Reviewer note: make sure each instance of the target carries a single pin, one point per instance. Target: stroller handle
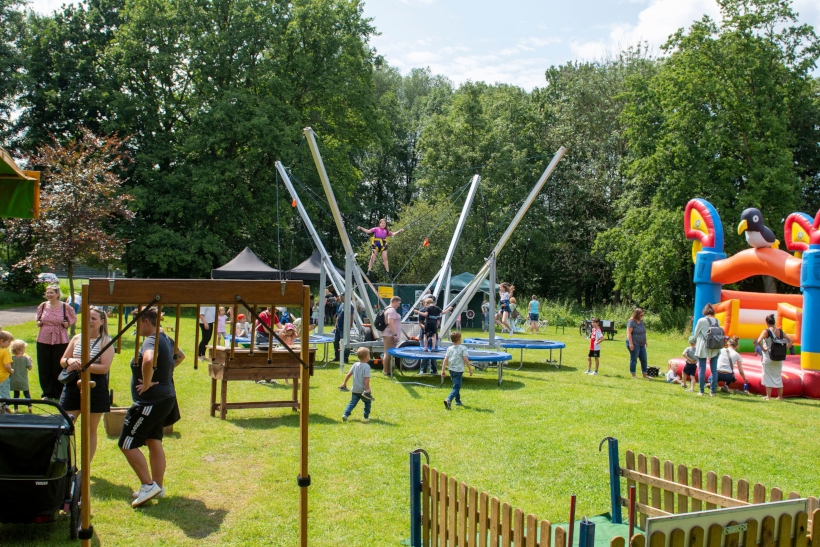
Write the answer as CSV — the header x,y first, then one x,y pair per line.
x,y
30,402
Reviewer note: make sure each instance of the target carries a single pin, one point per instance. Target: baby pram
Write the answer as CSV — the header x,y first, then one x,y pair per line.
x,y
38,472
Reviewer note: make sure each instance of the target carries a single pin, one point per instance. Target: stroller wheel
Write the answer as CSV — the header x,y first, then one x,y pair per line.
x,y
76,521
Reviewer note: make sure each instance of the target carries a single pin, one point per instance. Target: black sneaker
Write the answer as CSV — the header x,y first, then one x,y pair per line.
x,y
367,396
343,388
459,404
447,404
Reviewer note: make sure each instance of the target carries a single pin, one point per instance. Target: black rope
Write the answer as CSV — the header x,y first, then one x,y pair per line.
x,y
120,333
269,328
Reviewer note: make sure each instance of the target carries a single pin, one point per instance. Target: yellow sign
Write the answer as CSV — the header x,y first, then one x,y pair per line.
x,y
385,292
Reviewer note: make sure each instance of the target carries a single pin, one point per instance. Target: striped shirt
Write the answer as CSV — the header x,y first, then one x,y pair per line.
x,y
52,331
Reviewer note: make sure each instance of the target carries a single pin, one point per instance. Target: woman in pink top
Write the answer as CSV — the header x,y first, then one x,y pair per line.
x,y
378,242
53,317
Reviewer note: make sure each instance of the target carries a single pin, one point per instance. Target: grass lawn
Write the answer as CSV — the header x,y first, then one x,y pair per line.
x,y
532,442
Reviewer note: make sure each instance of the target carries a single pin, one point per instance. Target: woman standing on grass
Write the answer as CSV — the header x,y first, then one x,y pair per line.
x,y
100,402
701,329
53,317
636,342
772,370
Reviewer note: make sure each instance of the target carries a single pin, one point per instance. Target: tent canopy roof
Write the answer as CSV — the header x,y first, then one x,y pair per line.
x,y
458,282
310,269
245,265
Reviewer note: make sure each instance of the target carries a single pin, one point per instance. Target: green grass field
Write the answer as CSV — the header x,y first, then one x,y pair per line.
x,y
532,442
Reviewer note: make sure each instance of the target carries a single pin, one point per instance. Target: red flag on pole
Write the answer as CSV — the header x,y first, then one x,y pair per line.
x,y
426,243
293,203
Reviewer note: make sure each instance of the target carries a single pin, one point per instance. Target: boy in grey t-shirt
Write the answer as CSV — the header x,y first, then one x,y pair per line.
x,y
360,372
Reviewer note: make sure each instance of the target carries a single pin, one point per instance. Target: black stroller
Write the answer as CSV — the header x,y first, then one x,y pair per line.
x,y
38,471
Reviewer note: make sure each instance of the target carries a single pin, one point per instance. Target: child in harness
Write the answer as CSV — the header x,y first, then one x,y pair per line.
x,y
380,235
431,314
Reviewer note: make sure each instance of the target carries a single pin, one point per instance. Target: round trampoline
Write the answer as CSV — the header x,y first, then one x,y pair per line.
x,y
522,344
414,353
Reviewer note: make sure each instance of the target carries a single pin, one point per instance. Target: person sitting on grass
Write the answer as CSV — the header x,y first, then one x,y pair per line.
x,y
671,375
594,346
455,360
360,372
691,366
726,365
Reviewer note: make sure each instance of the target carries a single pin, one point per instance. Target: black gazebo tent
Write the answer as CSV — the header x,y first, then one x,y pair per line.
x,y
310,269
246,265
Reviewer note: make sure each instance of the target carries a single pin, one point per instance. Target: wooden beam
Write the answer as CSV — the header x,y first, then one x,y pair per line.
x,y
85,412
681,489
108,292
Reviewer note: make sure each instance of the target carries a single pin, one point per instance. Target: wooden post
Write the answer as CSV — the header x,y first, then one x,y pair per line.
x,y
156,338
85,412
119,321
233,338
137,339
176,332
270,334
213,332
253,329
196,338
304,413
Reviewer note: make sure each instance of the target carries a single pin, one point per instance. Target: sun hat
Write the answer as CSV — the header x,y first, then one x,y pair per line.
x,y
290,326
241,317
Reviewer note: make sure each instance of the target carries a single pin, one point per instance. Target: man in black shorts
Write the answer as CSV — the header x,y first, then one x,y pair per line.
x,y
155,407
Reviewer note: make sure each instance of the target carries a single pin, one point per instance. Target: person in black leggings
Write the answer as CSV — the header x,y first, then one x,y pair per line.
x,y
207,318
53,317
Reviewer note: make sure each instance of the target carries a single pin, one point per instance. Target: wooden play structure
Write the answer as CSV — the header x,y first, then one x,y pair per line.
x,y
447,513
143,294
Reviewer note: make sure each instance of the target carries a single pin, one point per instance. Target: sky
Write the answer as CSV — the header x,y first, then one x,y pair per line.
x,y
515,41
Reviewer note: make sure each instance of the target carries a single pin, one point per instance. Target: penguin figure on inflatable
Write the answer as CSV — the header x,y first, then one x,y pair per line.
x,y
757,234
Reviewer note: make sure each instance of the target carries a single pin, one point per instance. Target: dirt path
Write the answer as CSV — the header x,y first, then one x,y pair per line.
x,y
17,316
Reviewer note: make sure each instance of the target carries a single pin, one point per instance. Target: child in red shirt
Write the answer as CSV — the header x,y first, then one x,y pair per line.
x,y
594,346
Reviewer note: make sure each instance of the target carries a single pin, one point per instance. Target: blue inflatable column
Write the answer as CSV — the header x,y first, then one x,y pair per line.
x,y
706,291
810,283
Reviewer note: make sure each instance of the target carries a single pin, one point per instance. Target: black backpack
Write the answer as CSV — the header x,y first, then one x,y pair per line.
x,y
715,337
778,347
380,323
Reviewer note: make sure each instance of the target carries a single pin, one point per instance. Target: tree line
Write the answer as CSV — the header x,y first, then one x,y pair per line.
x,y
205,95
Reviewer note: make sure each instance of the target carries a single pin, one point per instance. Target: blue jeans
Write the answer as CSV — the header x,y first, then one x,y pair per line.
x,y
634,354
428,364
702,372
456,393
354,400
337,338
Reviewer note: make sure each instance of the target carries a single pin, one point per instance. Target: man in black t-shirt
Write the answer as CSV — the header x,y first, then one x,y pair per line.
x,y
155,407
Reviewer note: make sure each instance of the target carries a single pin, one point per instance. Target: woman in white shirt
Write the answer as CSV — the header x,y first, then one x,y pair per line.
x,y
701,328
726,365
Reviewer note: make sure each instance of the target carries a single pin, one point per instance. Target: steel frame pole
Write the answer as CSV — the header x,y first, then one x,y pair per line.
x,y
347,308
462,220
337,217
320,328
472,287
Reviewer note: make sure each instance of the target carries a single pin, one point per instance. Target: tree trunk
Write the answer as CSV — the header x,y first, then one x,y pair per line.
x,y
71,294
769,285
616,296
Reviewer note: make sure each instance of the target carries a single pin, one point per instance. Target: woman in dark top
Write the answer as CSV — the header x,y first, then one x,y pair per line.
x,y
70,399
636,342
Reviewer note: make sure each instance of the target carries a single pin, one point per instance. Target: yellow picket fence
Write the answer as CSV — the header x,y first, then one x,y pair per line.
x,y
666,489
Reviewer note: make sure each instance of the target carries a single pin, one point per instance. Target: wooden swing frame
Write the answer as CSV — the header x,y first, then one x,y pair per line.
x,y
144,293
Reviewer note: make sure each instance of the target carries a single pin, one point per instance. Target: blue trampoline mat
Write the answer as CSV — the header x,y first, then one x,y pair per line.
x,y
519,343
314,339
413,352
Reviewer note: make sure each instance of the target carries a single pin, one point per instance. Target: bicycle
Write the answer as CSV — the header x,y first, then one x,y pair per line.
x,y
585,329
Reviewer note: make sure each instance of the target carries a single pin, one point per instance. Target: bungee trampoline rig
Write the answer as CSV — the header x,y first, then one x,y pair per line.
x,y
355,282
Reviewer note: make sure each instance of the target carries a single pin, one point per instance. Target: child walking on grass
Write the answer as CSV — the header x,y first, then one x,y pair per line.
x,y
21,364
594,346
360,372
455,360
691,366
5,368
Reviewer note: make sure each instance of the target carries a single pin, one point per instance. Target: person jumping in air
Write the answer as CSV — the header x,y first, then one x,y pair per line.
x,y
378,242
505,291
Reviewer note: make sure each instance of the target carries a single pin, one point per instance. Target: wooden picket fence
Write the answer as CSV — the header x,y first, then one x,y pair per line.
x,y
456,515
679,491
791,532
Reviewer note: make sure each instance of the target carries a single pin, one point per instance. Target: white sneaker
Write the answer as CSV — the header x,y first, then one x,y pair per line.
x,y
587,372
147,492
161,494
595,373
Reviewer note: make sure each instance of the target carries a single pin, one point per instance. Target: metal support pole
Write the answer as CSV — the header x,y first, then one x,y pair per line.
x,y
415,499
447,276
423,293
304,412
492,318
347,308
586,533
614,479
571,523
320,329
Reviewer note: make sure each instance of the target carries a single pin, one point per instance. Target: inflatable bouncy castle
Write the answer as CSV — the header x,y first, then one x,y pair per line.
x,y
743,314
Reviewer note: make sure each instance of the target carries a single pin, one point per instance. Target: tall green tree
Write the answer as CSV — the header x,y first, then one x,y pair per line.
x,y
12,28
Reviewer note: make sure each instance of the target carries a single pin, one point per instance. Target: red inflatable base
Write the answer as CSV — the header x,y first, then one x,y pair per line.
x,y
796,381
